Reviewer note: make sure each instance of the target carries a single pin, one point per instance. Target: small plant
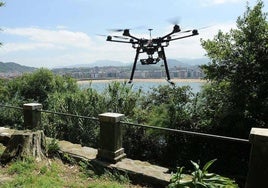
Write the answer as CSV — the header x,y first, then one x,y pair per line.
x,y
116,176
69,159
201,178
2,149
87,168
53,147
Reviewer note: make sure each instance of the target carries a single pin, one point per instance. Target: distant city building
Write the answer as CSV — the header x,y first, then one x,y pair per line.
x,y
110,72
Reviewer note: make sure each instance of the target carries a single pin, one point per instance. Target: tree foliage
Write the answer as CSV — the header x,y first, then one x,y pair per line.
x,y
37,86
239,63
77,130
120,98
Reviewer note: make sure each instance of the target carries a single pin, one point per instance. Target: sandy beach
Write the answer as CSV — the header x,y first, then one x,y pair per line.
x,y
175,80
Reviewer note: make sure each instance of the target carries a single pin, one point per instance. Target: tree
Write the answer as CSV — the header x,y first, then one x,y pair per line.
x,y
239,63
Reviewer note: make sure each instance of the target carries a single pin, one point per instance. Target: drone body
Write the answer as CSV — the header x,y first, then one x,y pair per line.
x,y
151,46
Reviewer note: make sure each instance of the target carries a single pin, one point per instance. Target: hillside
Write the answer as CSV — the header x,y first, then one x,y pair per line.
x,y
181,62
11,67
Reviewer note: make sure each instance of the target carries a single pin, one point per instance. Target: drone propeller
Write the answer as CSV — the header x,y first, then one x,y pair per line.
x,y
174,20
116,30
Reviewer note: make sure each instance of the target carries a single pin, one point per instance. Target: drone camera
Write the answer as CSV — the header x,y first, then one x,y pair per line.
x,y
149,61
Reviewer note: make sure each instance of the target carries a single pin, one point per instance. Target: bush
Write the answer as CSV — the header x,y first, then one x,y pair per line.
x,y
201,178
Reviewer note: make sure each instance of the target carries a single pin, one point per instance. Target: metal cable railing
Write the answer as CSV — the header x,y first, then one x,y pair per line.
x,y
70,115
9,106
219,137
226,138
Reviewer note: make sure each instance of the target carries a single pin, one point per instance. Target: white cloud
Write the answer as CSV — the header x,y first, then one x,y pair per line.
x,y
13,47
52,37
217,2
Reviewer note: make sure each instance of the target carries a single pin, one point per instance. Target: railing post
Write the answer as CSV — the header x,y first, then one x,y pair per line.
x,y
258,163
110,148
32,117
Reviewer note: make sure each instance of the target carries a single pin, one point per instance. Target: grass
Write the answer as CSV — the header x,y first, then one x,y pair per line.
x,y
54,173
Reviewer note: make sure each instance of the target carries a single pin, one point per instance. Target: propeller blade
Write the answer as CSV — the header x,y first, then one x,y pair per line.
x,y
174,20
121,30
101,35
205,27
116,30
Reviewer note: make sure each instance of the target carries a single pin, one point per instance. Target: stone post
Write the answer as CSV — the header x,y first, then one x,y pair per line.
x,y
32,117
110,145
258,163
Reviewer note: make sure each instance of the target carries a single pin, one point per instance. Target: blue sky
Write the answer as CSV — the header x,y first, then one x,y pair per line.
x,y
64,32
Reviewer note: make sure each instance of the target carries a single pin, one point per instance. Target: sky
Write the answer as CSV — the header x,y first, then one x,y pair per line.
x,y
66,32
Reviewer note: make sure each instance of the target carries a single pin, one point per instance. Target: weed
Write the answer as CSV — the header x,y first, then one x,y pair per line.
x,y
67,158
2,149
21,166
87,168
116,176
53,147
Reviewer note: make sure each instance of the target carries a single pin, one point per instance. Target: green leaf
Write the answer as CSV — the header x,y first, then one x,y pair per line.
x,y
196,166
208,164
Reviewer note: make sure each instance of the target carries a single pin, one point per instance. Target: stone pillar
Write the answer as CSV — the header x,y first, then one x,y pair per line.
x,y
258,163
32,117
110,145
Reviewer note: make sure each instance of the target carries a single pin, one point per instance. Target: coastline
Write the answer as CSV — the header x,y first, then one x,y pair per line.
x,y
157,80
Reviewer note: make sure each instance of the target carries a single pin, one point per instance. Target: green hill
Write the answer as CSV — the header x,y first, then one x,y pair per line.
x,y
10,67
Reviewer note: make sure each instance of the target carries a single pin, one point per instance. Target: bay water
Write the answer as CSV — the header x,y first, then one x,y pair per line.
x,y
145,85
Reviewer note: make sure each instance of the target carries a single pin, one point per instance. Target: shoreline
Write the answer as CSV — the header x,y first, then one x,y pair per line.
x,y
157,80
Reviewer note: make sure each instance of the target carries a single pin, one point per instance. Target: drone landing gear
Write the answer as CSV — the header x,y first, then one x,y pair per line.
x,y
166,65
172,83
134,65
162,56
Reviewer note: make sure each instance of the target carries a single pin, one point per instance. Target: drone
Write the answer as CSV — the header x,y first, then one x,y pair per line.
x,y
151,46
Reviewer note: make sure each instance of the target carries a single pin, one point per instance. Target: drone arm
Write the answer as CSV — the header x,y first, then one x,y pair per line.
x,y
133,37
168,35
111,40
183,37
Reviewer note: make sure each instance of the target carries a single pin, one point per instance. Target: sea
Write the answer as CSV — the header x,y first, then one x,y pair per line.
x,y
145,85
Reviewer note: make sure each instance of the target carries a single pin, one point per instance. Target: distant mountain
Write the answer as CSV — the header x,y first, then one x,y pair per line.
x,y
11,67
183,62
104,63
195,61
99,63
